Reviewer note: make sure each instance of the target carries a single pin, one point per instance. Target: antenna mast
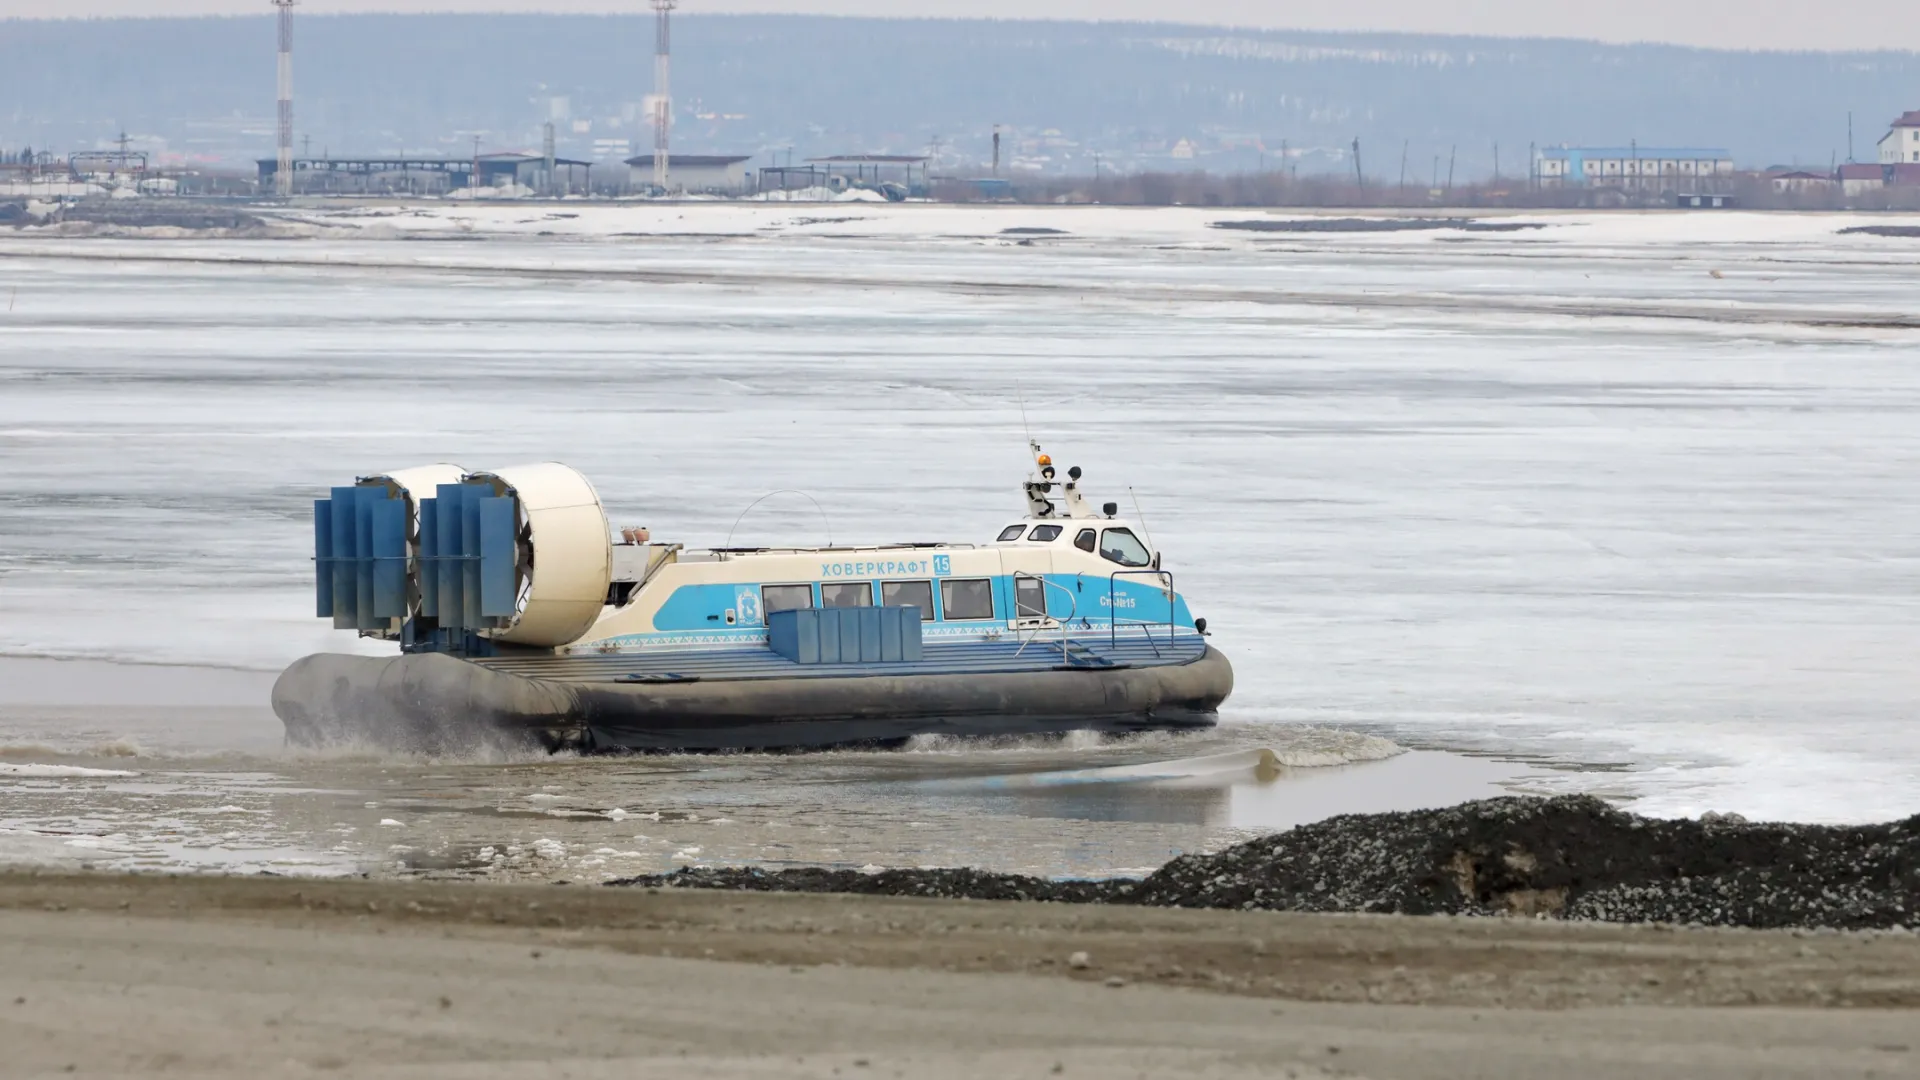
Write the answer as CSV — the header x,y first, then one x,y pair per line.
x,y
662,88
283,172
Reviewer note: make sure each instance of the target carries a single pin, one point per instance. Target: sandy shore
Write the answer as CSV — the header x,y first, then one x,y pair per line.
x,y
237,977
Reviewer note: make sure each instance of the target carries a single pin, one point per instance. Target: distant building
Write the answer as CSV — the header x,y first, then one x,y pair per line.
x,y
880,172
1651,168
530,171
719,174
1861,178
1864,177
1794,183
1901,145
1697,201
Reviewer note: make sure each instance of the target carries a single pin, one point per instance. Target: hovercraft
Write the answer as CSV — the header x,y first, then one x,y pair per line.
x,y
521,618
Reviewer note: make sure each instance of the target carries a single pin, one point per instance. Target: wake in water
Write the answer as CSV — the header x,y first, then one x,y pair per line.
x,y
1086,805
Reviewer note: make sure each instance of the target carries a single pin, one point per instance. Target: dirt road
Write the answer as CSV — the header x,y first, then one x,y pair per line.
x,y
249,977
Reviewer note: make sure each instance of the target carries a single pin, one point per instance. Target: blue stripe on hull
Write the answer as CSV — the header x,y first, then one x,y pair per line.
x,y
759,662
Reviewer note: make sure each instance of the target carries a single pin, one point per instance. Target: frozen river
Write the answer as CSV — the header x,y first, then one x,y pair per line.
x,y
1628,493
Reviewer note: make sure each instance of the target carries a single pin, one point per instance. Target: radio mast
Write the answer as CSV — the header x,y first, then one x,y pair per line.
x,y
283,173
662,88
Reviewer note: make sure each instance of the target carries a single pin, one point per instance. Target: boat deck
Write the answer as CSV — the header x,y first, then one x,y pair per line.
x,y
703,663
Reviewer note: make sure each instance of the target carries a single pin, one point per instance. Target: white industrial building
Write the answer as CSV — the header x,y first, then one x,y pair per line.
x,y
1901,146
1651,168
717,174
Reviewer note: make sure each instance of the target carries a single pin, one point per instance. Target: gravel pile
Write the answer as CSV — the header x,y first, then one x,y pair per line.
x,y
1573,858
1373,225
1882,230
945,884
157,212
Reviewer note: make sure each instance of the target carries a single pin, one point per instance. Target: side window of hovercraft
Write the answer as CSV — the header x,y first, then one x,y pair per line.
x,y
1121,546
909,594
1029,597
1084,541
846,594
966,599
785,597
1011,532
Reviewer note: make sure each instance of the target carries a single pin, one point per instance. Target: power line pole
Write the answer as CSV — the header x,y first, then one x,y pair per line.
x,y
1359,177
283,165
546,154
662,89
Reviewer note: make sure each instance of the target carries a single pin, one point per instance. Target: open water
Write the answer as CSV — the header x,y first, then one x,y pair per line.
x,y
1627,501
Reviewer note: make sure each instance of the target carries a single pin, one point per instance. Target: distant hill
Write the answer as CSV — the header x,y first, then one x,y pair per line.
x,y
1142,95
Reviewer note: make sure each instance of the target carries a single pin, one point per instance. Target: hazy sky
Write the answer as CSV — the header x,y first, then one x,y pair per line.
x,y
1766,24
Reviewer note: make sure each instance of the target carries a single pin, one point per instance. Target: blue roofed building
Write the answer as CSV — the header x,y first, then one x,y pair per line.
x,y
1649,168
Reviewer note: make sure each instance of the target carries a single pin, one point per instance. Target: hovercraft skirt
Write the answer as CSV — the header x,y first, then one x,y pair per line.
x,y
439,703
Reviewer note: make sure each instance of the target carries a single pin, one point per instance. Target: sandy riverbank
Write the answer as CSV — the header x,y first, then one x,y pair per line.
x,y
260,976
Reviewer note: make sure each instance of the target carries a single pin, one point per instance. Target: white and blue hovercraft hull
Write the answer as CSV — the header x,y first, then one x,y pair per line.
x,y
520,623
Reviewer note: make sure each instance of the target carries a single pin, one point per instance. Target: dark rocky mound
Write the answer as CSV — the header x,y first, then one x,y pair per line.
x,y
1374,225
157,212
946,884
1572,858
1883,230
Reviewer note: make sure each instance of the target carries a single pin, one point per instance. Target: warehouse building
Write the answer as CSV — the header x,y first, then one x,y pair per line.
x,y
1638,168
710,174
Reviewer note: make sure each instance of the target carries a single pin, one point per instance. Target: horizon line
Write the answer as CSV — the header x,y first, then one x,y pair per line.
x,y
1054,20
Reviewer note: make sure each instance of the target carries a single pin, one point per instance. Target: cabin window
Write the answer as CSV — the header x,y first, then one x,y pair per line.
x,y
846,594
918,594
1121,546
1011,532
1085,540
1043,534
1029,598
967,599
785,597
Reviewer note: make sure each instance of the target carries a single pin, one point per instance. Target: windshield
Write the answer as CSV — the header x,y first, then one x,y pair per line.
x,y
1121,546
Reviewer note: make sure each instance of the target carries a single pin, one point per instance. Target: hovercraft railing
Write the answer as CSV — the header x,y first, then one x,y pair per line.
x,y
1073,610
1146,626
